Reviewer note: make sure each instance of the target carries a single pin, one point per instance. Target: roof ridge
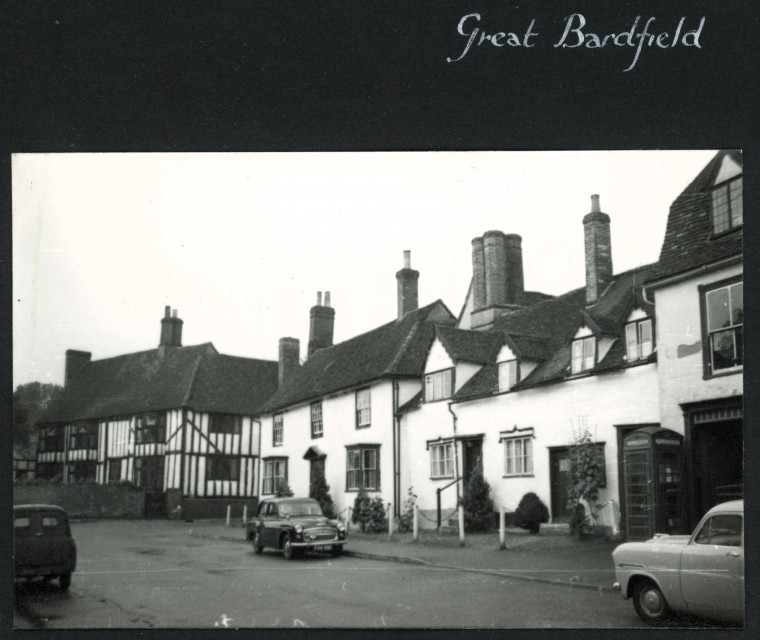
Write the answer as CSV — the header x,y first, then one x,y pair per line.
x,y
193,378
412,332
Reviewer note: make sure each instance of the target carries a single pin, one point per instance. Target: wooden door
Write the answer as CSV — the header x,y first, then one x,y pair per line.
x,y
561,481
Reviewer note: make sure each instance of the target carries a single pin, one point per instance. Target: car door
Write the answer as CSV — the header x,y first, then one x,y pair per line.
x,y
712,567
268,533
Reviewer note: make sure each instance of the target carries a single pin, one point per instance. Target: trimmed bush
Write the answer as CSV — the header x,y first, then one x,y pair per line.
x,y
477,503
531,513
369,513
320,491
284,490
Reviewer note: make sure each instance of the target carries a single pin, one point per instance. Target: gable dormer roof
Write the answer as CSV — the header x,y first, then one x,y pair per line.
x,y
396,349
462,345
689,240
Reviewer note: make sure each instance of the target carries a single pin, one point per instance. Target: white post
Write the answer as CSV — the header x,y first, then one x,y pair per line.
x,y
245,514
415,524
461,525
229,508
390,520
502,531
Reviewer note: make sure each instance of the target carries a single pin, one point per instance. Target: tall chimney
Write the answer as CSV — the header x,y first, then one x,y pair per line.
x,y
75,361
406,280
290,349
322,325
171,329
478,274
596,231
515,278
495,255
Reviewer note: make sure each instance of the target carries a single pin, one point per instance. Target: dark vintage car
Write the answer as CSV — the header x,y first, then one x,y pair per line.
x,y
700,574
42,543
294,525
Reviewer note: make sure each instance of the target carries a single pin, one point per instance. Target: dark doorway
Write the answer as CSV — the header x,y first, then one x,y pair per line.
x,y
149,474
473,458
561,481
317,470
718,462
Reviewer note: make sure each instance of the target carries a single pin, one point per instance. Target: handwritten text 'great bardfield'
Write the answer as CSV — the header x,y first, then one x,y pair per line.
x,y
576,34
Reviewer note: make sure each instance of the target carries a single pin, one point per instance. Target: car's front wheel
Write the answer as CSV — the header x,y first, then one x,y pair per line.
x,y
650,603
288,551
258,548
65,580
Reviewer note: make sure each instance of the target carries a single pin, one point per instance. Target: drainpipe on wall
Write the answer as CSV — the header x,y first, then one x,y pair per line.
x,y
456,457
396,451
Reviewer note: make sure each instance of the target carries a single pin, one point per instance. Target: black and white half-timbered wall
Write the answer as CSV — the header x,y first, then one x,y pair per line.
x,y
175,421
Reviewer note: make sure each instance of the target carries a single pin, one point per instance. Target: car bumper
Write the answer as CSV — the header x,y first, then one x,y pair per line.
x,y
43,570
317,543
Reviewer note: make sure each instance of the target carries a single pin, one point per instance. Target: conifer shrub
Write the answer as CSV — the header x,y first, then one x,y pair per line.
x,y
531,513
369,513
284,490
477,503
320,491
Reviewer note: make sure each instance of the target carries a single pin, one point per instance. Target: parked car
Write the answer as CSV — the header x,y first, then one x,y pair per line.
x,y
42,543
294,525
701,574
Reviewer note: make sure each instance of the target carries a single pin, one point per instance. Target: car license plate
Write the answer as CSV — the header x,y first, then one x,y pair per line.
x,y
323,547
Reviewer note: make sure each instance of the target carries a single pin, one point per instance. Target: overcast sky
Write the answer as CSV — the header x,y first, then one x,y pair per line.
x,y
240,244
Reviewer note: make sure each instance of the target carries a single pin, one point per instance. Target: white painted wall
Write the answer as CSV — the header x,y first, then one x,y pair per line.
x,y
679,349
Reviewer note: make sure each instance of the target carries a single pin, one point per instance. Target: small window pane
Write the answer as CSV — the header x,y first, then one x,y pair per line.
x,y
718,314
20,523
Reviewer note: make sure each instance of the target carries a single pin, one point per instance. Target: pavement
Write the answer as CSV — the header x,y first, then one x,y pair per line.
x,y
555,559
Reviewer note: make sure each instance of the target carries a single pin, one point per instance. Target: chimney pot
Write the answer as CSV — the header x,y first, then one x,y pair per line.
x,y
319,298
406,286
174,313
598,245
595,208
167,311
327,298
407,259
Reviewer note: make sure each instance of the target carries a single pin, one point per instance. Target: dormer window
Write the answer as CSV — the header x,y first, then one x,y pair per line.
x,y
638,339
727,206
507,375
584,354
439,385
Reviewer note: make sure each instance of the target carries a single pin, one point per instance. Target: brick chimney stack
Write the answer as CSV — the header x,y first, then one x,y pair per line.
x,y
596,231
75,361
171,329
322,325
497,270
478,273
290,350
406,280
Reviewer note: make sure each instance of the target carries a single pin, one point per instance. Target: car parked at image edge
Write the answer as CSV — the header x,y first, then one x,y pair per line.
x,y
700,574
294,525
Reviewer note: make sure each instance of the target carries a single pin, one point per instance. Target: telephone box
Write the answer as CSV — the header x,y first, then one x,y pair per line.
x,y
653,460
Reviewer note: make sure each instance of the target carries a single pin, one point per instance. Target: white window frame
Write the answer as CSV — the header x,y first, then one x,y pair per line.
x,y
275,473
363,468
584,354
507,375
439,385
735,292
317,423
442,460
363,408
518,456
637,347
278,430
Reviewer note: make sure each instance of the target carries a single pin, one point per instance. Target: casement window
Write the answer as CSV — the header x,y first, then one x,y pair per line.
x,y
223,468
363,408
84,436
83,470
275,474
584,354
639,339
150,427
723,314
363,468
148,472
52,439
507,375
278,429
727,206
49,470
518,456
442,460
439,385
225,423
316,420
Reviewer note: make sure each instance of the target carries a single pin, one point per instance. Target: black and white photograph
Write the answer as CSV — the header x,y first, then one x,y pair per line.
x,y
340,389
405,318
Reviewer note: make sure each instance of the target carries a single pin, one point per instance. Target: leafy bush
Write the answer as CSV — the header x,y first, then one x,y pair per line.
x,y
477,503
320,491
531,513
369,513
406,519
588,475
284,490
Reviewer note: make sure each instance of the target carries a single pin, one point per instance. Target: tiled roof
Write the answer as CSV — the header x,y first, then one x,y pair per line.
x,y
398,348
556,321
196,377
478,347
689,241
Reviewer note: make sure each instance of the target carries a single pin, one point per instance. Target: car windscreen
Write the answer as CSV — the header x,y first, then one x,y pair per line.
x,y
305,508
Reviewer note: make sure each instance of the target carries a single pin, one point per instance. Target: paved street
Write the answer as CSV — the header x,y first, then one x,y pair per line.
x,y
155,574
